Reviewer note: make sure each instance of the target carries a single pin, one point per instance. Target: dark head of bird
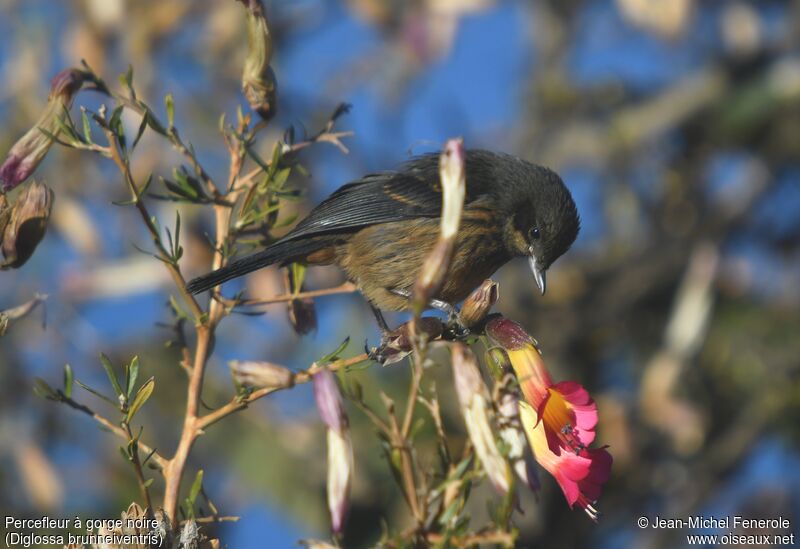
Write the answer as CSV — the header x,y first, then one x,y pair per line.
x,y
540,217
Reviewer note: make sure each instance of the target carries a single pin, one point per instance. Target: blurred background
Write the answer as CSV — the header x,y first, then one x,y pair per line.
x,y
675,123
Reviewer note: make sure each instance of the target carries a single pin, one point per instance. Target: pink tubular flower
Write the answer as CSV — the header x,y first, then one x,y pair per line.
x,y
559,419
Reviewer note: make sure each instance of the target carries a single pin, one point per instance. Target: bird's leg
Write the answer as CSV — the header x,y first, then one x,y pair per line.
x,y
379,318
456,330
378,354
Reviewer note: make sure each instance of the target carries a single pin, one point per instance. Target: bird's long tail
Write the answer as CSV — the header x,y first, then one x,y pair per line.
x,y
282,252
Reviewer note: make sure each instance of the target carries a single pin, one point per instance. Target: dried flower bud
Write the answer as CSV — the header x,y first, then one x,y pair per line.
x,y
397,343
340,447
260,374
303,315
26,225
30,150
473,399
452,177
258,79
508,334
478,304
510,426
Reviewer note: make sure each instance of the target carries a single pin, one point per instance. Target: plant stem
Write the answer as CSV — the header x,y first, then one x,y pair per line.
x,y
116,429
300,377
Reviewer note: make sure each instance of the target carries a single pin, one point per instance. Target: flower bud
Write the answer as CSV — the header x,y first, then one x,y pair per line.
x,y
258,79
340,472
478,304
329,400
473,399
26,225
260,374
340,446
30,150
453,182
303,315
508,334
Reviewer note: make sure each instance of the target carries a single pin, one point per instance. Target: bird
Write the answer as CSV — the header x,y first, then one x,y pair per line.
x,y
380,229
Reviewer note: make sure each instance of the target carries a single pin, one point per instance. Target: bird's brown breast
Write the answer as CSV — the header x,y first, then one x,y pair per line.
x,y
388,256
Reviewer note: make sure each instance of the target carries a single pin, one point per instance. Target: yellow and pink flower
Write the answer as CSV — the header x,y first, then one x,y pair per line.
x,y
559,419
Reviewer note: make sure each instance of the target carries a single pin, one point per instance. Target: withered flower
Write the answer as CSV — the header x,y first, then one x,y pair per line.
x,y
260,374
452,176
26,224
30,150
303,315
258,79
474,401
478,304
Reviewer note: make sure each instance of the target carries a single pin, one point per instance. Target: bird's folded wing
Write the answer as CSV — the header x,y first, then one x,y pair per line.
x,y
378,198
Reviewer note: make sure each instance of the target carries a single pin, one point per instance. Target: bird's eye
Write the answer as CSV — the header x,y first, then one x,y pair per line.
x,y
533,233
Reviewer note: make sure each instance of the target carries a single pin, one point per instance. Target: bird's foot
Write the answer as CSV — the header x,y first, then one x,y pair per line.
x,y
455,330
397,344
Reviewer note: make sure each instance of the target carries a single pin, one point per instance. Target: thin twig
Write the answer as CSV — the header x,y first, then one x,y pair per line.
x,y
172,267
137,467
116,429
303,376
347,287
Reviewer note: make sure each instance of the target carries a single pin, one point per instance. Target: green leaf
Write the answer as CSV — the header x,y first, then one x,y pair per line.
x,y
148,482
256,158
451,511
148,456
87,128
286,222
298,276
177,230
131,373
140,131
197,485
111,375
55,139
154,123
169,103
43,390
66,127
141,397
68,379
176,307
336,352
95,393
126,79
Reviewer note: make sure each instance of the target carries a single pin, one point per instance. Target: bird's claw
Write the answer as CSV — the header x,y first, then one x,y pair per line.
x,y
455,330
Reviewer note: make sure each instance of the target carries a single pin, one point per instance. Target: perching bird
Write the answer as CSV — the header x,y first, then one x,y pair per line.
x,y
380,229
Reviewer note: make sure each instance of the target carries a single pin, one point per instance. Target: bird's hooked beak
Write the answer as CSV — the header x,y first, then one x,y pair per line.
x,y
538,274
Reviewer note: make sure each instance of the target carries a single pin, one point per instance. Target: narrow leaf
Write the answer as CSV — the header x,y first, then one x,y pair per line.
x,y
111,375
141,397
132,374
169,103
197,485
95,393
68,379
